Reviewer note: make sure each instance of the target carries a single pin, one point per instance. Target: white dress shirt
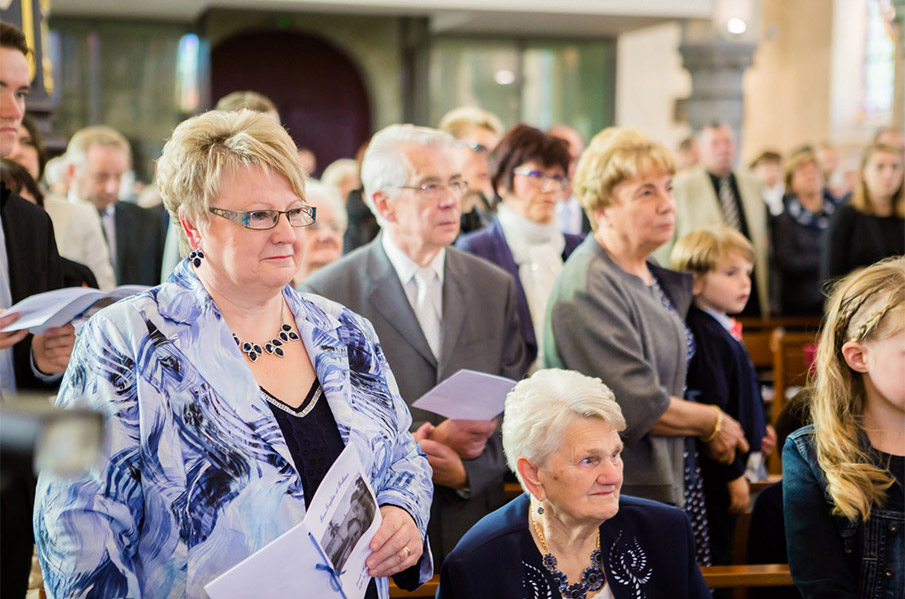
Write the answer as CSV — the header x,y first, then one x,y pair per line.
x,y
406,268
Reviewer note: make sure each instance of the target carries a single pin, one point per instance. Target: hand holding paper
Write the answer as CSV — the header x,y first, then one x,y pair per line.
x,y
446,464
11,338
466,437
397,544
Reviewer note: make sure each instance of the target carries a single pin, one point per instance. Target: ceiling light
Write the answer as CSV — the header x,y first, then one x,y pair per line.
x,y
736,26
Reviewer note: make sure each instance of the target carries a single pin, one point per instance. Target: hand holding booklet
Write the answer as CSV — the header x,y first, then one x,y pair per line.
x,y
325,555
56,308
468,395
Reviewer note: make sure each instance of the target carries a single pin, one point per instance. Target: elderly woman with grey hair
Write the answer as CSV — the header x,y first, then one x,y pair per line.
x,y
571,534
324,237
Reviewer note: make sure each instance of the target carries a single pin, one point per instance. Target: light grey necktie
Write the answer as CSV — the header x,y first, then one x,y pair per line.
x,y
727,203
426,309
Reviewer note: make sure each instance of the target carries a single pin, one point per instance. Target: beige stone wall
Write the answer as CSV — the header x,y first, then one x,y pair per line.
x,y
649,80
788,88
371,42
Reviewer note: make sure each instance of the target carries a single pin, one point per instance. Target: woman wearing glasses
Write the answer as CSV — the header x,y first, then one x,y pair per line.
x,y
227,394
528,173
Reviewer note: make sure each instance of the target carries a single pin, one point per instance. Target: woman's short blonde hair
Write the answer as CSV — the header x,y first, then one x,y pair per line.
x,y
796,161
701,251
205,148
613,156
539,409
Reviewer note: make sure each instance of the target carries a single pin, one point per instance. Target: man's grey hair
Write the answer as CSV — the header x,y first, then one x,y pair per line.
x,y
98,135
539,409
385,163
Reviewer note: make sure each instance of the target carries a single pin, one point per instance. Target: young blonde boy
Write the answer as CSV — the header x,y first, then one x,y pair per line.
x,y
720,372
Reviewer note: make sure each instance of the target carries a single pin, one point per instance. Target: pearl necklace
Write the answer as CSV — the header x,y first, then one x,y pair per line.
x,y
273,347
592,578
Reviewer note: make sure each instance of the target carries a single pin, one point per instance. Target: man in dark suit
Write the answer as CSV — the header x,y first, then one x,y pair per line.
x,y
436,310
98,157
29,264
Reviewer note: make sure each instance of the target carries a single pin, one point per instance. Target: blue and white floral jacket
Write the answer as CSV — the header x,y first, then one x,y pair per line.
x,y
195,474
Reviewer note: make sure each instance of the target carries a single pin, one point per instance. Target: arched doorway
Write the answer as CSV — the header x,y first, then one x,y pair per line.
x,y
317,89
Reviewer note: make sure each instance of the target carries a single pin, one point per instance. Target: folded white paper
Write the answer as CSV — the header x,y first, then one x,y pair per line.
x,y
55,308
467,395
325,555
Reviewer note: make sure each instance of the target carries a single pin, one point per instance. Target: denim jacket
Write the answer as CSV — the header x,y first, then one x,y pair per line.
x,y
830,556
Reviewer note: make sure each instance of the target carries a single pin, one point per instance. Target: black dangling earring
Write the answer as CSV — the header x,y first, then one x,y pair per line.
x,y
196,257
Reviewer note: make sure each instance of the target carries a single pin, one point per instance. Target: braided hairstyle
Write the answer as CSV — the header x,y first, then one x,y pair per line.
x,y
868,304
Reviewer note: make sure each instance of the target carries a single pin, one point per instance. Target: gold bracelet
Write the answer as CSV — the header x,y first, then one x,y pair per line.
x,y
716,427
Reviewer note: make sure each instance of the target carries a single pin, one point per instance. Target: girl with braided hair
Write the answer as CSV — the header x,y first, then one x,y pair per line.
x,y
843,476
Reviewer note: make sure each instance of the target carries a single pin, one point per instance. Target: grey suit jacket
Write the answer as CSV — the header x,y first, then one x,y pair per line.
x,y
480,331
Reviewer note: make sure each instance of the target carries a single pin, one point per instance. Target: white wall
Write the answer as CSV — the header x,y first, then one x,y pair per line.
x,y
649,79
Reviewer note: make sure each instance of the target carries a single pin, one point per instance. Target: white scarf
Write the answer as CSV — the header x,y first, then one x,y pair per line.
x,y
537,250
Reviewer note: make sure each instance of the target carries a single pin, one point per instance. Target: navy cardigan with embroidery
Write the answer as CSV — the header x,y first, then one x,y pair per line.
x,y
647,549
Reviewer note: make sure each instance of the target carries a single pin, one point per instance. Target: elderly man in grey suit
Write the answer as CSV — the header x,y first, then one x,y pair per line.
x,y
436,310
712,193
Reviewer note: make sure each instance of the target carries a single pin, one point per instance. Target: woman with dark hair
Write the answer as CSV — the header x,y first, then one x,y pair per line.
x,y
528,173
76,226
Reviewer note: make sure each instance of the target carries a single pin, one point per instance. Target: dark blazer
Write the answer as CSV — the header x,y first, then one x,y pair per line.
x,y
855,239
480,331
140,237
34,266
647,550
490,243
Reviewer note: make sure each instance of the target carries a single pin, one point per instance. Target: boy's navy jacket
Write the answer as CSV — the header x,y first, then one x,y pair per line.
x,y
721,373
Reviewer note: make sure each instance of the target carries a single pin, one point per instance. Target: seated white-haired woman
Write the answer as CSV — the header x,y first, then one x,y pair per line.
x,y
571,535
227,394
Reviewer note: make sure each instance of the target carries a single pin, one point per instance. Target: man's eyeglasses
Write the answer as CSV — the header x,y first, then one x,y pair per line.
x,y
473,146
539,179
261,220
433,191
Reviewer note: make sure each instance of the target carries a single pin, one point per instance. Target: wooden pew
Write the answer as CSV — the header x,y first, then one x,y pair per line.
x,y
717,577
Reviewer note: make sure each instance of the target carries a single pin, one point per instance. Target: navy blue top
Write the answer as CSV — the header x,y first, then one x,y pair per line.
x,y
313,441
721,373
311,435
647,548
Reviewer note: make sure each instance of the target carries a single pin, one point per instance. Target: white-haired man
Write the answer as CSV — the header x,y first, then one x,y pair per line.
x,y
97,158
436,310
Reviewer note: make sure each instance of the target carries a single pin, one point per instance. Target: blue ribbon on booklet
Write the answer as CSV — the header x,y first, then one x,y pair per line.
x,y
335,583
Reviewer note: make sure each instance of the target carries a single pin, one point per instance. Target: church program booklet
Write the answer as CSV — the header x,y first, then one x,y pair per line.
x,y
324,555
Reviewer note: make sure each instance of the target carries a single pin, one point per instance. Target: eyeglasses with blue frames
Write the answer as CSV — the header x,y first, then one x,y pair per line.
x,y
261,220
538,179
433,190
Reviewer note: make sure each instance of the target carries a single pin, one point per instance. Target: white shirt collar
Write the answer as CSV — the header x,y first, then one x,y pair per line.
x,y
723,319
404,266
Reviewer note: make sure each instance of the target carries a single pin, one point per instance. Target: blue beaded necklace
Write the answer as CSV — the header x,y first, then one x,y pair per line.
x,y
592,578
273,347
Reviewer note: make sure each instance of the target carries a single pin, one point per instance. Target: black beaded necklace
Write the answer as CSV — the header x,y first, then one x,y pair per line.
x,y
592,578
273,347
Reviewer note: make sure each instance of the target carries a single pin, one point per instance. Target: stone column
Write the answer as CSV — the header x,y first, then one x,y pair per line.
x,y
31,17
716,65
